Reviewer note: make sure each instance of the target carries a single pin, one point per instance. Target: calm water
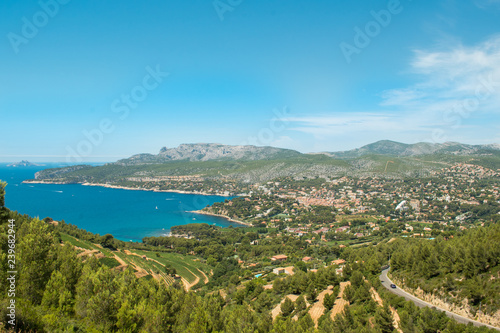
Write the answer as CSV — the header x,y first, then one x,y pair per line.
x,y
127,215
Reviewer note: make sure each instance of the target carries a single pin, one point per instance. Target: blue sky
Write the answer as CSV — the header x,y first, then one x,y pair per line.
x,y
98,80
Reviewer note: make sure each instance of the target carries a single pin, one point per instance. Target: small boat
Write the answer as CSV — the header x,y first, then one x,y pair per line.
x,y
156,207
194,218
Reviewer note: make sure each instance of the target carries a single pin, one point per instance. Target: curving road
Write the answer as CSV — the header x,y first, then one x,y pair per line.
x,y
386,282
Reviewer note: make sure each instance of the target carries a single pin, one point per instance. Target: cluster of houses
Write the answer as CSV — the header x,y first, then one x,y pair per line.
x,y
357,195
302,230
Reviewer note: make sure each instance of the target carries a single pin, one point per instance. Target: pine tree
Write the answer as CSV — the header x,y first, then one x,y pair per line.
x,y
57,296
300,303
328,302
36,259
311,293
3,210
383,318
287,307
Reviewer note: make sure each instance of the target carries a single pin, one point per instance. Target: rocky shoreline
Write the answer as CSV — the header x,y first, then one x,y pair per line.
x,y
121,187
223,216
43,182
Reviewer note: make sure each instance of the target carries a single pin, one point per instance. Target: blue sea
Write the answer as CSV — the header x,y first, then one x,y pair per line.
x,y
127,215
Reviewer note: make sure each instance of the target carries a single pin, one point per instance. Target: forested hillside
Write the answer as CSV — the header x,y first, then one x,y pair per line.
x,y
466,267
58,291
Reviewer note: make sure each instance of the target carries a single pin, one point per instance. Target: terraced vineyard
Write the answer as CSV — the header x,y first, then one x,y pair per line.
x,y
145,263
183,264
75,242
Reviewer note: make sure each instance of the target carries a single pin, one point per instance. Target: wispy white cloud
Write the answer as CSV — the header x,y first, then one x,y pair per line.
x,y
486,4
451,86
452,76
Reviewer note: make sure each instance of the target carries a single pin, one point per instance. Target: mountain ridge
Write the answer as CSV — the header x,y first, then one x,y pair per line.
x,y
251,164
394,148
211,152
219,152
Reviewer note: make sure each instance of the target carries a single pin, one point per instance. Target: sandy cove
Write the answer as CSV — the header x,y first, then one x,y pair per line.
x,y
223,216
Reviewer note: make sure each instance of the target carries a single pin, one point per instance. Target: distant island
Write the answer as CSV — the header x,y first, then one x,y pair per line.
x,y
24,163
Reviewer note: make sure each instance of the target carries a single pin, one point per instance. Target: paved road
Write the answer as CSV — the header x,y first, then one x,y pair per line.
x,y
386,282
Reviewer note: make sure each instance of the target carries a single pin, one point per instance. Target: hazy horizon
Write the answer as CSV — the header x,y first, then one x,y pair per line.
x,y
37,159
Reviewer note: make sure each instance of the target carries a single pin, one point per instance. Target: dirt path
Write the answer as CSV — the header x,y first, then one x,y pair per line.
x,y
120,260
205,277
376,297
340,302
140,272
190,285
396,318
277,310
86,252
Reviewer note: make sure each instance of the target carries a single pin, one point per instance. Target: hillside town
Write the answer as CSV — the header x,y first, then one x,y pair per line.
x,y
458,197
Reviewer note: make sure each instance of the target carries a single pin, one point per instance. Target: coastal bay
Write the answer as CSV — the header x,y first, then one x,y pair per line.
x,y
128,214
